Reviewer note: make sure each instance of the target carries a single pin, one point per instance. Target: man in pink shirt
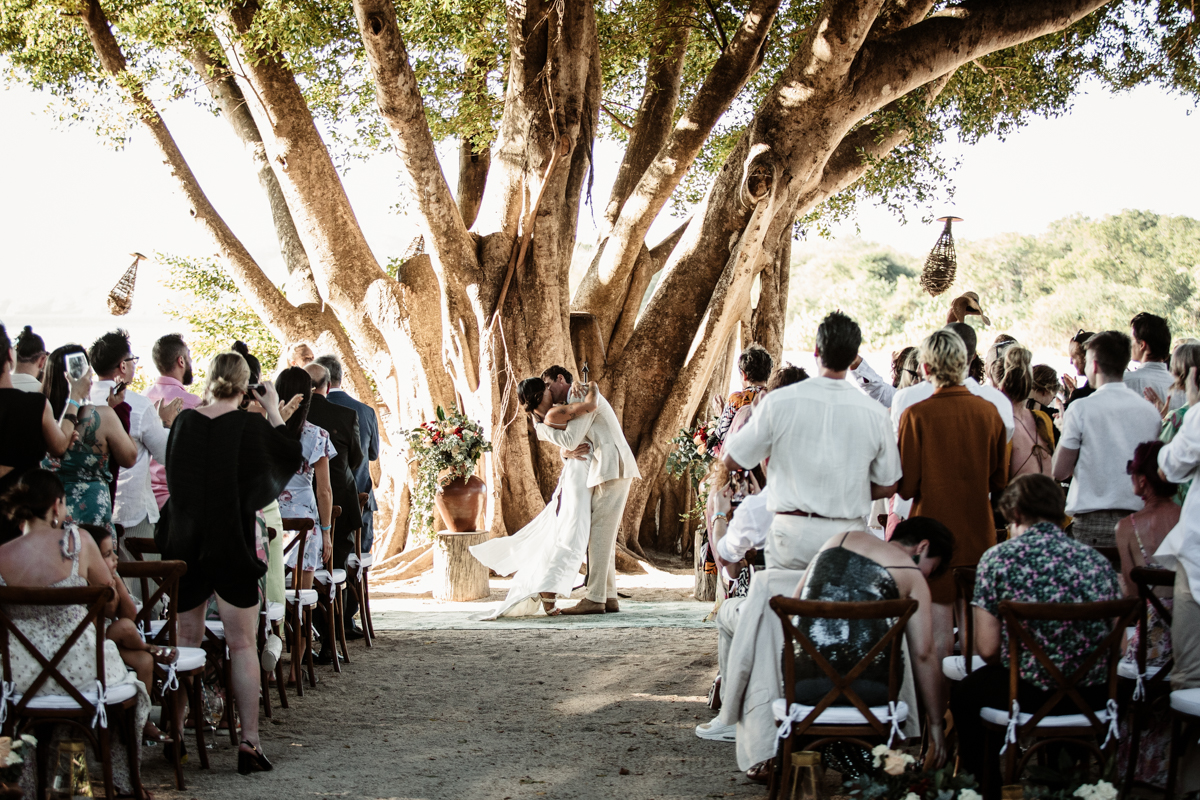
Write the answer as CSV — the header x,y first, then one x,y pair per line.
x,y
173,361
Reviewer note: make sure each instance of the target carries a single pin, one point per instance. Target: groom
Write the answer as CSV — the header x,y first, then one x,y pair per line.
x,y
610,476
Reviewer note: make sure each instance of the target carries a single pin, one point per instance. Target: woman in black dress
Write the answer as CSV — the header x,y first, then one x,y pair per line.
x,y
29,429
223,465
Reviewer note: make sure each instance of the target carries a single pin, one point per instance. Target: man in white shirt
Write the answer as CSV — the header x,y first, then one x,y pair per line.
x,y
1099,435
871,382
1150,340
112,359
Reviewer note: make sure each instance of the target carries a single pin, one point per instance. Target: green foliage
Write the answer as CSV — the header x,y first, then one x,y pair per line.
x,y
1081,273
215,313
444,450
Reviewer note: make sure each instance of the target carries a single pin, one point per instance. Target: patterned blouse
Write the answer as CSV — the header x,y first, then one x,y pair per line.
x,y
1044,565
735,403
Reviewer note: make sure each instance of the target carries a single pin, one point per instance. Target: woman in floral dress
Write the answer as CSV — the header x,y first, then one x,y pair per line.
x,y
84,469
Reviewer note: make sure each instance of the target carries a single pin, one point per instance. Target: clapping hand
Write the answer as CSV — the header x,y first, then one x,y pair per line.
x,y
287,409
167,412
1152,396
1069,385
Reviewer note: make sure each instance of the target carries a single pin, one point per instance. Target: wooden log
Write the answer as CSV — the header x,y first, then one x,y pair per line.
x,y
458,575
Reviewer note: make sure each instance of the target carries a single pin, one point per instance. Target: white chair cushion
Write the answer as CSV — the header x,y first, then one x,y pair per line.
x,y
1127,669
1187,701
308,597
955,667
849,715
190,658
998,717
275,611
322,576
118,693
215,627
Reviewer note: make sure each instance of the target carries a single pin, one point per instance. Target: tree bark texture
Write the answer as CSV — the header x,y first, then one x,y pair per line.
x,y
458,575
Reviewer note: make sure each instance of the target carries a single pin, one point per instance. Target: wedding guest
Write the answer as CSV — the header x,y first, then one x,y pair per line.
x,y
135,507
1038,564
1044,391
830,448
368,442
31,361
51,553
84,468
1150,340
1099,434
1033,433
874,386
222,466
1071,390
1184,357
29,428
754,366
173,360
300,355
953,453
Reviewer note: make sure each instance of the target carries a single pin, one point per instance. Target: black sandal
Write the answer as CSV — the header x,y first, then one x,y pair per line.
x,y
253,761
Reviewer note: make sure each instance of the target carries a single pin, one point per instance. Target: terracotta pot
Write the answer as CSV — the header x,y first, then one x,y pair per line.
x,y
460,503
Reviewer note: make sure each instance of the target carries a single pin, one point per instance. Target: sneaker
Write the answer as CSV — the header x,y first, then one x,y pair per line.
x,y
716,732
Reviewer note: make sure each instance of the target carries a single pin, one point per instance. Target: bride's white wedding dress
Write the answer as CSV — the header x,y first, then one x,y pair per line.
x,y
546,554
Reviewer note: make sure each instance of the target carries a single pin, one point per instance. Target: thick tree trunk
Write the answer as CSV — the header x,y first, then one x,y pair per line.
x,y
770,314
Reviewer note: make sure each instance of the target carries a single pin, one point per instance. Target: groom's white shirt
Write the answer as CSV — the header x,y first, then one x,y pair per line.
x,y
612,459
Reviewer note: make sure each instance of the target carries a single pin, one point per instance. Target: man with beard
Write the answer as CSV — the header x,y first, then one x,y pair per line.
x,y
173,361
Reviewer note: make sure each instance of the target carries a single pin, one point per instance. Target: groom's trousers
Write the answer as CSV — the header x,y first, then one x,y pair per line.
x,y
608,506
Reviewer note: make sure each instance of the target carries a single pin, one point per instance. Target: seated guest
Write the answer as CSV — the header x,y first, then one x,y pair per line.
x,y
954,454
858,567
85,468
754,365
1150,340
1138,536
29,428
1033,431
53,554
1099,434
1038,564
31,361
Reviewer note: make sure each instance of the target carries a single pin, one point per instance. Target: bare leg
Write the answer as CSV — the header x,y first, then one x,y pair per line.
x,y
241,637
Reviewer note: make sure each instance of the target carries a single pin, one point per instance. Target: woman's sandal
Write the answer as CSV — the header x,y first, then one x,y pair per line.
x,y
761,772
548,605
252,761
157,738
164,655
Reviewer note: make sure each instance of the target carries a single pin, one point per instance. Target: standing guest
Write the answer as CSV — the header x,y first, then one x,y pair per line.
x,y
368,442
300,355
830,447
1038,564
1033,434
1072,391
1150,340
754,365
1045,388
134,507
1173,408
874,386
953,451
173,360
31,361
1099,435
222,466
84,467
342,426
29,428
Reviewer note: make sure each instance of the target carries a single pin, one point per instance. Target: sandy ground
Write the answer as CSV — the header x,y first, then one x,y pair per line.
x,y
467,714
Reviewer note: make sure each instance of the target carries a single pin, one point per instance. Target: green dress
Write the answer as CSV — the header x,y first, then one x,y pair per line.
x,y
1170,427
85,475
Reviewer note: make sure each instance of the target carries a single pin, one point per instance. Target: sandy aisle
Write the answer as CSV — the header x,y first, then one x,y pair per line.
x,y
492,715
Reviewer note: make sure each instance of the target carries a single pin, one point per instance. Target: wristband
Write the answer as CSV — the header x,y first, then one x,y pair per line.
x,y
72,402
325,527
720,515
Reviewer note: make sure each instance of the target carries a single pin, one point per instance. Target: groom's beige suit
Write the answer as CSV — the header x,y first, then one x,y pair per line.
x,y
611,473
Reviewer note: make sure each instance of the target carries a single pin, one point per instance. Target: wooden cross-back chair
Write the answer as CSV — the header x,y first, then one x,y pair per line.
x,y
817,725
269,619
358,567
300,602
187,673
330,582
1042,726
88,711
1149,687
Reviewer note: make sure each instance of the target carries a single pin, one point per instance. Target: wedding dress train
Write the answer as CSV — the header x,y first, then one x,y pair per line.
x,y
546,553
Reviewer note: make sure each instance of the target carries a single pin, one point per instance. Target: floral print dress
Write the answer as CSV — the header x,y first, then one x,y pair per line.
x,y
298,499
85,474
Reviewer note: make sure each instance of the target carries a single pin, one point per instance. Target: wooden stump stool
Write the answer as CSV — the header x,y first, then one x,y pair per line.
x,y
458,575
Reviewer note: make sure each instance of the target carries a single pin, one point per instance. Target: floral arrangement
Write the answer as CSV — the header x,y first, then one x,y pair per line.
x,y
12,762
444,450
1070,780
900,778
691,456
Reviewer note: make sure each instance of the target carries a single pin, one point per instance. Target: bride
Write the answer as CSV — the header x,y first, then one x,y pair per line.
x,y
546,553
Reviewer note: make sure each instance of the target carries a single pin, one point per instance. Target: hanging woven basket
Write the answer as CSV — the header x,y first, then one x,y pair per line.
x,y
942,263
120,299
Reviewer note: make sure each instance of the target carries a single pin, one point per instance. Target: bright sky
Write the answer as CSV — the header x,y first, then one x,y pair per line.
x,y
73,208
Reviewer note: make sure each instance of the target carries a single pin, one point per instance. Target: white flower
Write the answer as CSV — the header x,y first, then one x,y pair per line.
x,y
912,796
969,794
879,751
1102,790
13,759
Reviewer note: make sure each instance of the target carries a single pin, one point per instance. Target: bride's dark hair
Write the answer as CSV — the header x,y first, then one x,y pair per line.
x,y
531,391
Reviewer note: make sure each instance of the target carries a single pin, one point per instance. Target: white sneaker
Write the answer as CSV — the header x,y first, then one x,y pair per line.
x,y
716,732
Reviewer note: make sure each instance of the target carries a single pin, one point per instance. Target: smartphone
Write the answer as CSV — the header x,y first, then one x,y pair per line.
x,y
119,387
77,364
259,389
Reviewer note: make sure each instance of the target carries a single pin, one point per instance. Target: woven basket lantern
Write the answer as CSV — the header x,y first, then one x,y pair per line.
x,y
942,263
120,299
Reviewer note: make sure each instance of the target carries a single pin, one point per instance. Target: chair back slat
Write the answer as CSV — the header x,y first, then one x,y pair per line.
x,y
166,574
301,526
964,591
139,546
1147,579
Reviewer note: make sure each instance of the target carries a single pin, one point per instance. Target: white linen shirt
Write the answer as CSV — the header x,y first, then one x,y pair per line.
x,y
26,383
872,385
911,395
135,499
1155,375
747,530
827,443
1179,461
1105,427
